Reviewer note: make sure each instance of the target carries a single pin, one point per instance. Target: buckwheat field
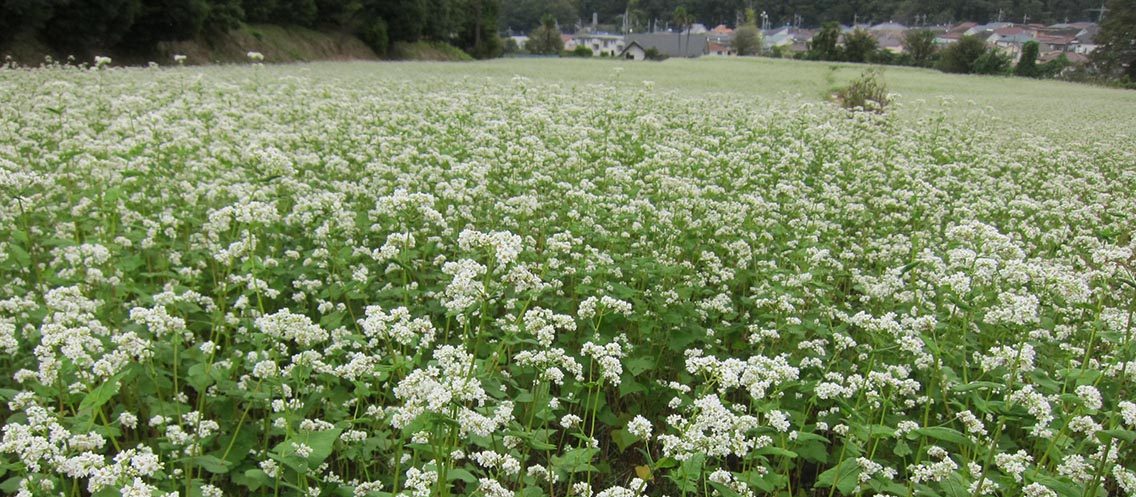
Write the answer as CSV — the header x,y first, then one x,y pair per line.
x,y
473,280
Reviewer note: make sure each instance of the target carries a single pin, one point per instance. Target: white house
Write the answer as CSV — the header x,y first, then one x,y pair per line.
x,y
633,51
600,43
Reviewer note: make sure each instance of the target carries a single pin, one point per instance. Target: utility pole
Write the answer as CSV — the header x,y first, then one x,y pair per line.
x,y
1100,12
1025,19
999,15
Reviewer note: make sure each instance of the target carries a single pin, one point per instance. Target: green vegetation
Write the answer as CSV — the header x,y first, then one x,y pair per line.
x,y
546,39
868,92
1027,63
135,28
747,38
1117,39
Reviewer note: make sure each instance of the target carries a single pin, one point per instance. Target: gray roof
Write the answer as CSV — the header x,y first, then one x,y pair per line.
x,y
672,44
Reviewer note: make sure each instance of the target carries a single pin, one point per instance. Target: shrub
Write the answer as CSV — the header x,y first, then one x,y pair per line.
x,y
1027,64
654,54
993,61
959,57
868,92
580,51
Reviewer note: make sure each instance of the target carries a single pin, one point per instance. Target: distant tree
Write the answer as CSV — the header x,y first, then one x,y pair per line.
x,y
545,39
167,20
683,20
342,14
90,24
993,61
1027,64
373,32
960,56
405,19
859,46
298,12
823,45
258,10
747,39
920,44
1053,68
1115,55
16,15
479,31
223,15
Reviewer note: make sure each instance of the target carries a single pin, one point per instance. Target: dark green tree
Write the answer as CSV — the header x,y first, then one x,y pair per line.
x,y
338,14
747,39
16,15
373,32
258,10
1115,55
81,25
920,45
223,16
167,20
682,20
298,12
823,45
1027,64
993,61
960,56
545,40
405,19
479,33
859,46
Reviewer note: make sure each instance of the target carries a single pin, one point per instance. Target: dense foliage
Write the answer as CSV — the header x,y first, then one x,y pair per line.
x,y
82,26
1117,39
359,282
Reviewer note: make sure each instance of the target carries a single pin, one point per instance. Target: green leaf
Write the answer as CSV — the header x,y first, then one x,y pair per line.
x,y
100,395
902,449
844,476
940,433
639,365
777,451
576,460
461,474
198,377
812,451
623,439
20,255
11,485
1126,435
212,464
253,479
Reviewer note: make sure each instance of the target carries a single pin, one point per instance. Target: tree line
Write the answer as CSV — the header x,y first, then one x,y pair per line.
x,y
137,25
642,15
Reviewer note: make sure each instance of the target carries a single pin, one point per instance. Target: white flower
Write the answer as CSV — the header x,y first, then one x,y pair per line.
x,y
640,428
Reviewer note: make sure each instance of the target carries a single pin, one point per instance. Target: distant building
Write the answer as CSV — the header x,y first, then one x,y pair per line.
x,y
633,51
600,43
672,44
